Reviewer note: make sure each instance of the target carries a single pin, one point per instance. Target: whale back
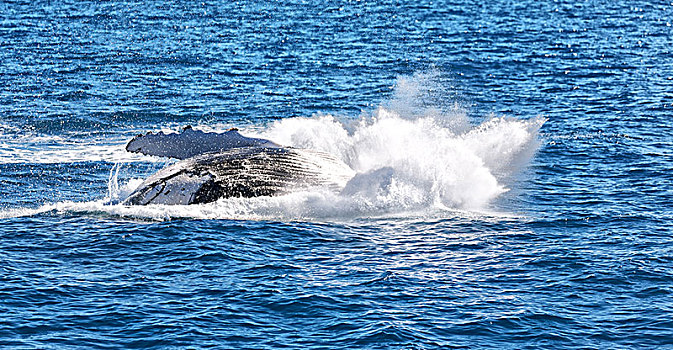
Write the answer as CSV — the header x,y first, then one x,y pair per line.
x,y
190,143
241,172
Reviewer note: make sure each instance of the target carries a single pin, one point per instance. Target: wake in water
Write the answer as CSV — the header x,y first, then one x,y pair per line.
x,y
408,156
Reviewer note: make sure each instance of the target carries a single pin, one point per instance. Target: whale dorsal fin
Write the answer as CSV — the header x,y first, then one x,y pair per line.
x,y
190,143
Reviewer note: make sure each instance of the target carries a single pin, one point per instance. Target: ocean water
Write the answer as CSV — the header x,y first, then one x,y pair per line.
x,y
513,184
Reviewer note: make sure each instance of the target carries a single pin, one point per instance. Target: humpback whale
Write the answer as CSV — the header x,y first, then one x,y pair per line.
x,y
213,165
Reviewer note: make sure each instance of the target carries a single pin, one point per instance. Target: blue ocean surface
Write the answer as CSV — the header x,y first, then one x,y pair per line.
x,y
513,187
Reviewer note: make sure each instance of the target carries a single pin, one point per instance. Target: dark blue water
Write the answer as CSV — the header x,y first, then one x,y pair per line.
x,y
475,226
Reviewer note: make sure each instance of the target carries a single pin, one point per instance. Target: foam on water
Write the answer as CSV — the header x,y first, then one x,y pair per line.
x,y
408,156
31,148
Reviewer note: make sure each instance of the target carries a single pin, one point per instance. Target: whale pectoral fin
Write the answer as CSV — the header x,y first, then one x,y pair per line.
x,y
159,144
191,142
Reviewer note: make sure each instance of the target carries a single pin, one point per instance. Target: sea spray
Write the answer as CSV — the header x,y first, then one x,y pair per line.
x,y
418,151
418,163
113,185
117,191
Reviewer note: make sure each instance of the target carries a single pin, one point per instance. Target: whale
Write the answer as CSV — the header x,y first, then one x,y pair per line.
x,y
212,166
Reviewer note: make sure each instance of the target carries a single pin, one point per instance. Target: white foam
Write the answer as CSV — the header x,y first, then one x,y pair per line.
x,y
49,149
419,162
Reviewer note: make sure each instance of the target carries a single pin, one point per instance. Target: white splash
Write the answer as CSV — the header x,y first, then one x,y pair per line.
x,y
418,163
